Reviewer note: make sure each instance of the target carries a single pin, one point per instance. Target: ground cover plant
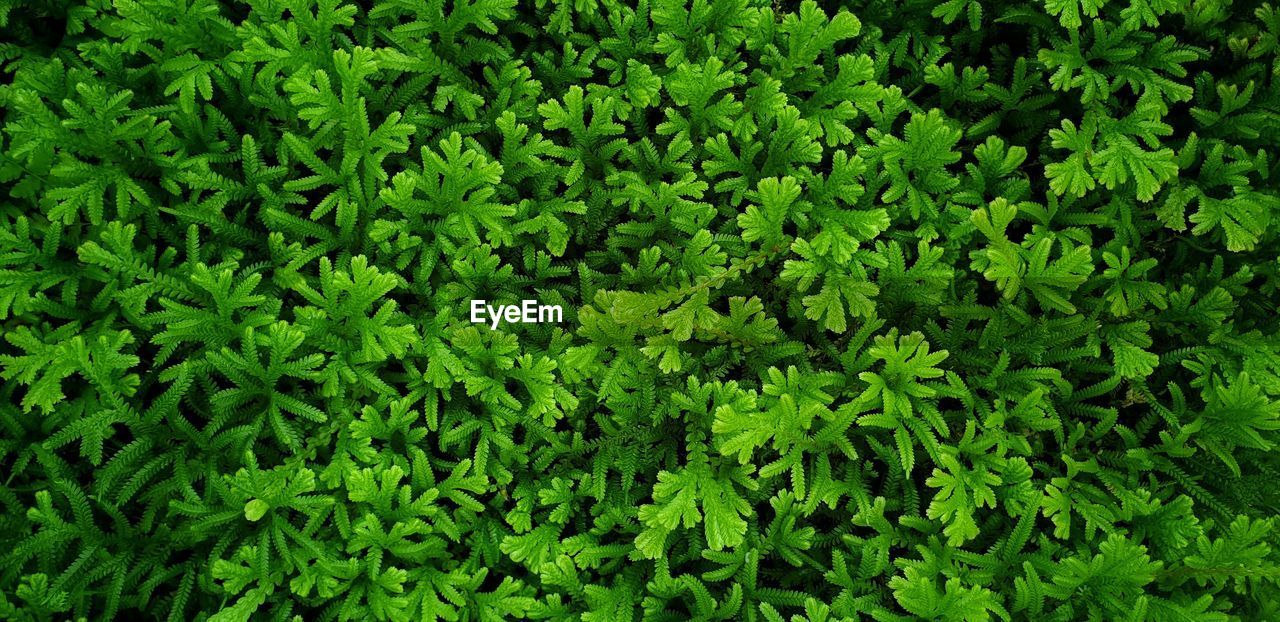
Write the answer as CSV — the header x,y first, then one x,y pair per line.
x,y
887,311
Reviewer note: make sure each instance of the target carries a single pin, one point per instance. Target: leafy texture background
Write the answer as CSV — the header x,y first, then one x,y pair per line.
x,y
874,310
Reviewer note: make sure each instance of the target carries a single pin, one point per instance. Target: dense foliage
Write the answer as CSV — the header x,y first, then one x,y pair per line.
x,y
959,310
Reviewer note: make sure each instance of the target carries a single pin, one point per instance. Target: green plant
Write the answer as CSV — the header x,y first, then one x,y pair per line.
x,y
954,311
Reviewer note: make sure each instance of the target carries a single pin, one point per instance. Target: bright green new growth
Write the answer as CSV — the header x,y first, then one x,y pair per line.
x,y
951,311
